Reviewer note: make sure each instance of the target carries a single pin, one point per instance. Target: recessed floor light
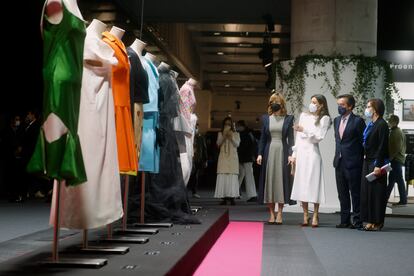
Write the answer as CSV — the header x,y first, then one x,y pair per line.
x,y
220,53
217,33
225,72
227,85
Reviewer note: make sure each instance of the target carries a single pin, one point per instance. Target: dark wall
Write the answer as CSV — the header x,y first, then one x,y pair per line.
x,y
395,25
23,58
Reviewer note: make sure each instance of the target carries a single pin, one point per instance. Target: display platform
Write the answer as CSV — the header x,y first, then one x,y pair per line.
x,y
173,251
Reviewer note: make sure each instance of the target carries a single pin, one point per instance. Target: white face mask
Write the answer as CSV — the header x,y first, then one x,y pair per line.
x,y
196,130
368,113
312,108
17,123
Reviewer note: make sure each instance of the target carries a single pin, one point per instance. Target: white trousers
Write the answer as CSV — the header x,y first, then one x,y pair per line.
x,y
246,172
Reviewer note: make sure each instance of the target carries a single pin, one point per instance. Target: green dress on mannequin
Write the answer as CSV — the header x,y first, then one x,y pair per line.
x,y
58,153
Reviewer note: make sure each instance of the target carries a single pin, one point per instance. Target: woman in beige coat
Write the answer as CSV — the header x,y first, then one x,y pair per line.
x,y
227,183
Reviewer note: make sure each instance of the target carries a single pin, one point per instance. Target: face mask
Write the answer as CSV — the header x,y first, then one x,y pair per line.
x,y
196,130
312,108
17,123
341,110
368,113
275,107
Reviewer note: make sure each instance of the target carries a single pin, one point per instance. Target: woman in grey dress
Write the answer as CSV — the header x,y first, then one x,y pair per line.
x,y
276,141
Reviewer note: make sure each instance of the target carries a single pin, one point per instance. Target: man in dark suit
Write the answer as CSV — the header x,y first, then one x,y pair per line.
x,y
349,129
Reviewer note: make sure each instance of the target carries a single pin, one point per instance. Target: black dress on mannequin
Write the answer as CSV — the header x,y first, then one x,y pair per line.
x,y
167,195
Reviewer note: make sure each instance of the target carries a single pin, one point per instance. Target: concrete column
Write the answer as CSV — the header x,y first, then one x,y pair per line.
x,y
334,26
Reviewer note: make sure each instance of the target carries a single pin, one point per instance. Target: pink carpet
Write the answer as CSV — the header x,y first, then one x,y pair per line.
x,y
238,251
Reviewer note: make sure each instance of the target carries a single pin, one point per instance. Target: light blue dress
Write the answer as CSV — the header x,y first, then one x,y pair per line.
x,y
149,160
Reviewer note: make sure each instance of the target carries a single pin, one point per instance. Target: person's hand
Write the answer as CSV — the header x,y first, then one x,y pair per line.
x,y
291,160
259,160
298,128
377,171
229,134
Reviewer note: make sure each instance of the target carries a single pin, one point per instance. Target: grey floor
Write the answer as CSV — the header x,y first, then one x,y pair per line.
x,y
288,249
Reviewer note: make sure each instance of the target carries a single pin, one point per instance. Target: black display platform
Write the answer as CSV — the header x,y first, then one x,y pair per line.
x,y
173,251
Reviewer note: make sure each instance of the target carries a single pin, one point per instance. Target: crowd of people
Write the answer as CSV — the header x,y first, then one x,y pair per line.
x,y
17,143
292,167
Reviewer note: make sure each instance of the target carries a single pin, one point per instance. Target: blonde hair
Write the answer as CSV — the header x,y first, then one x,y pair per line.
x,y
277,97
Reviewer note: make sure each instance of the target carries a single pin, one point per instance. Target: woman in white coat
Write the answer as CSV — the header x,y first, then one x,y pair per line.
x,y
227,183
308,184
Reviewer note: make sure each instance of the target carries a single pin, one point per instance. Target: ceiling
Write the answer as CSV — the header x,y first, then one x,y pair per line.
x,y
225,37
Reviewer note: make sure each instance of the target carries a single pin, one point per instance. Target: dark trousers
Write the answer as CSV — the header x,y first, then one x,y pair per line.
x,y
373,196
348,184
396,176
194,178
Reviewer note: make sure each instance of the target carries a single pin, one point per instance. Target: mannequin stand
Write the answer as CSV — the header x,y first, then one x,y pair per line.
x,y
125,230
86,248
142,210
55,261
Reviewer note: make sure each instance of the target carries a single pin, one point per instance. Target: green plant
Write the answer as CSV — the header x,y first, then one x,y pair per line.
x,y
367,70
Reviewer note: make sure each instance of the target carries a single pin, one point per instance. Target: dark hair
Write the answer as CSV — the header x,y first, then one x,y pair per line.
x,y
378,106
241,123
35,112
224,121
394,119
324,110
349,98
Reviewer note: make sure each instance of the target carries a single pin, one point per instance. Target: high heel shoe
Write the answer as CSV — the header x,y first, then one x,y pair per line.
x,y
279,220
306,221
315,218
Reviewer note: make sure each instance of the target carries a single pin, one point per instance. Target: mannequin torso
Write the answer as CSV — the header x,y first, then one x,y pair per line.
x,y
54,10
138,46
163,66
96,28
118,32
192,82
175,74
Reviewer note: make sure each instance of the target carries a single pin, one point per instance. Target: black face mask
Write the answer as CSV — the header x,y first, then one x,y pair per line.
x,y
275,107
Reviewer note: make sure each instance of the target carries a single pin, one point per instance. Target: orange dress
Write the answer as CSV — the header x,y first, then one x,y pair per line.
x,y
127,156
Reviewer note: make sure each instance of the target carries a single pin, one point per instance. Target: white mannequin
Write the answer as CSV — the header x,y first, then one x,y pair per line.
x,y
118,32
54,10
151,57
138,46
163,65
96,27
192,82
175,74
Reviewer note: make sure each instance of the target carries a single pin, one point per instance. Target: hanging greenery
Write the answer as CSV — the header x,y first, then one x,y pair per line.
x,y
367,69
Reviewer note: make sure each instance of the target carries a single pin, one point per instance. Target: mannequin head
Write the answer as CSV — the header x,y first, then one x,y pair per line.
x,y
151,57
97,27
138,46
118,32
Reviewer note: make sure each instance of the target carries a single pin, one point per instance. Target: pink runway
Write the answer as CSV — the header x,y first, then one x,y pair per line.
x,y
238,251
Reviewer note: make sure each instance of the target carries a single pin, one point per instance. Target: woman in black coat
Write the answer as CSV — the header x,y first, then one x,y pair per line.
x,y
276,141
375,141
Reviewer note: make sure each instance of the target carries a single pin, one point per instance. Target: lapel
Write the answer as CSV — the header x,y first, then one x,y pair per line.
x,y
348,125
337,121
267,124
284,127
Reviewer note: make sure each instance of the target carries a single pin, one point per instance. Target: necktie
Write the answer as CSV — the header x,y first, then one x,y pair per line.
x,y
342,127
